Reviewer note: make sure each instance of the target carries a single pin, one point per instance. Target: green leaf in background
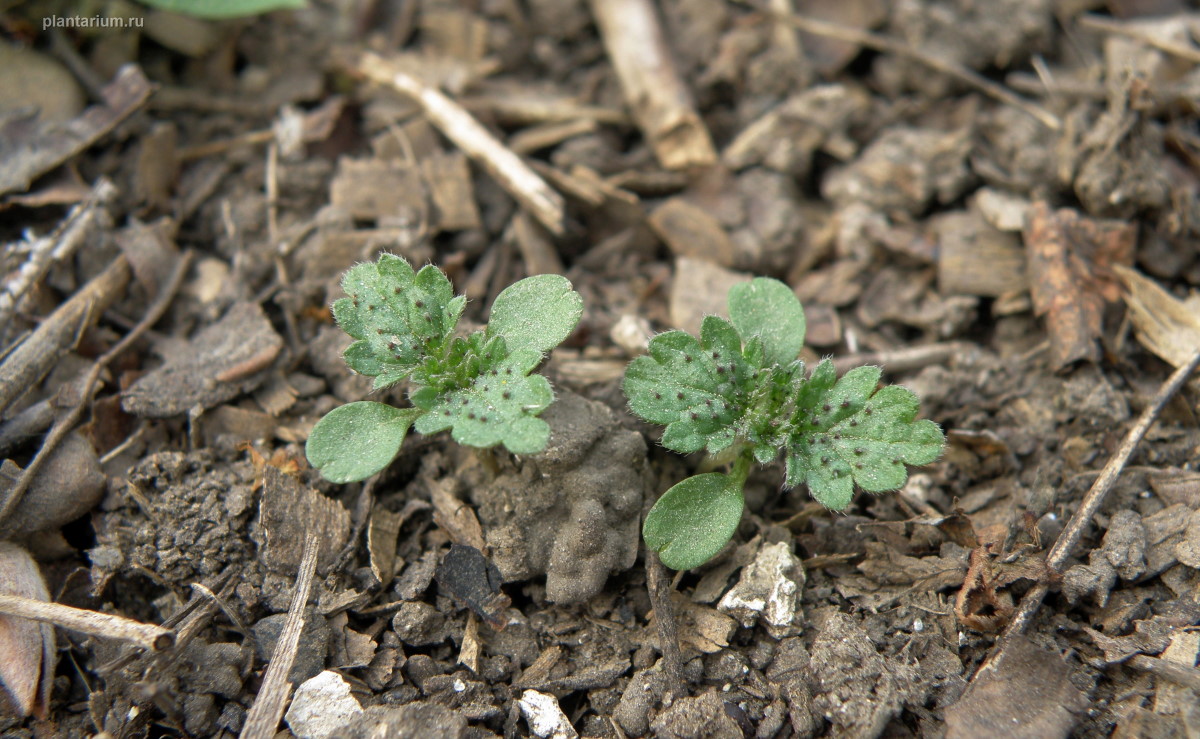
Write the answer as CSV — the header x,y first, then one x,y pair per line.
x,y
769,309
220,9
356,440
853,434
536,313
692,521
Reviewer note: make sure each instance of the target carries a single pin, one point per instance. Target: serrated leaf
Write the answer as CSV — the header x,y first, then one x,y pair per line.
x,y
498,407
767,308
356,440
848,433
219,9
398,317
693,520
537,313
693,387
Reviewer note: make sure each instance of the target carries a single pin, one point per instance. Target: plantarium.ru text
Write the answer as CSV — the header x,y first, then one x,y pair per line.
x,y
740,394
479,386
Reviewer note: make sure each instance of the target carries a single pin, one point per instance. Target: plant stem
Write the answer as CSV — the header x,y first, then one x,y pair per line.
x,y
741,467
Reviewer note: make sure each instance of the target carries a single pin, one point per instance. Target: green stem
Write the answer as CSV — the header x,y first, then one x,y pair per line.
x,y
741,467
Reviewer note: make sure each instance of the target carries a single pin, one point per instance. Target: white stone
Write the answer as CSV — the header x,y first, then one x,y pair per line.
x,y
769,588
545,718
322,704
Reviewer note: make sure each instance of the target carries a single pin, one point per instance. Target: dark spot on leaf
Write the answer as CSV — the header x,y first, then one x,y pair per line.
x,y
464,401
506,395
845,403
428,318
495,372
483,419
471,416
867,410
860,450
370,307
837,437
687,357
708,402
355,302
720,370
895,461
715,417
658,396
824,460
485,388
507,371
826,407
811,440
445,413
853,422
816,421
837,473
379,331
397,290
679,396
417,303
695,416
716,355
858,465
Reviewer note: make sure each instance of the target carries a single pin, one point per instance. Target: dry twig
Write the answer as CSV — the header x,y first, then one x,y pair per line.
x,y
661,103
55,247
1108,25
525,185
659,586
67,422
106,625
268,704
1070,535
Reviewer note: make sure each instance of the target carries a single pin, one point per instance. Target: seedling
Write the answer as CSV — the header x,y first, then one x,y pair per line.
x,y
740,394
478,386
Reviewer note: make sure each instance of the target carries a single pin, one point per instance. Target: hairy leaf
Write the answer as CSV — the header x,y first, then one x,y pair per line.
x,y
499,406
848,433
399,318
356,440
695,388
768,309
694,519
537,313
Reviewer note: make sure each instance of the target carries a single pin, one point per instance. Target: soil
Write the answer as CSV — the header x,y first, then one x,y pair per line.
x,y
995,201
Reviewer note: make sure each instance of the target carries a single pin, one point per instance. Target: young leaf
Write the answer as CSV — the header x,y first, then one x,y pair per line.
x,y
693,387
537,313
855,434
694,519
499,406
398,317
356,440
769,309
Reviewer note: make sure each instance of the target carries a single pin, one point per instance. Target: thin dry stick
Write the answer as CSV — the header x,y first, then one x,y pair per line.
x,y
661,103
906,359
55,246
268,704
468,134
887,45
1070,535
660,589
154,638
1177,673
64,425
28,363
1098,23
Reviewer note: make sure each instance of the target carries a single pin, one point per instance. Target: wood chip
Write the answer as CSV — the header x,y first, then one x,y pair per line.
x,y
449,180
1071,261
287,513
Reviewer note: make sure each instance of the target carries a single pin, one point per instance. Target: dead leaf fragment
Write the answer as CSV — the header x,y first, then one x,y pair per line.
x,y
1167,326
1024,691
27,646
1071,274
221,362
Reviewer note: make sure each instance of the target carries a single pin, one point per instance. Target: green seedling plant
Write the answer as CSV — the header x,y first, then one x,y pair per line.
x,y
480,386
740,394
